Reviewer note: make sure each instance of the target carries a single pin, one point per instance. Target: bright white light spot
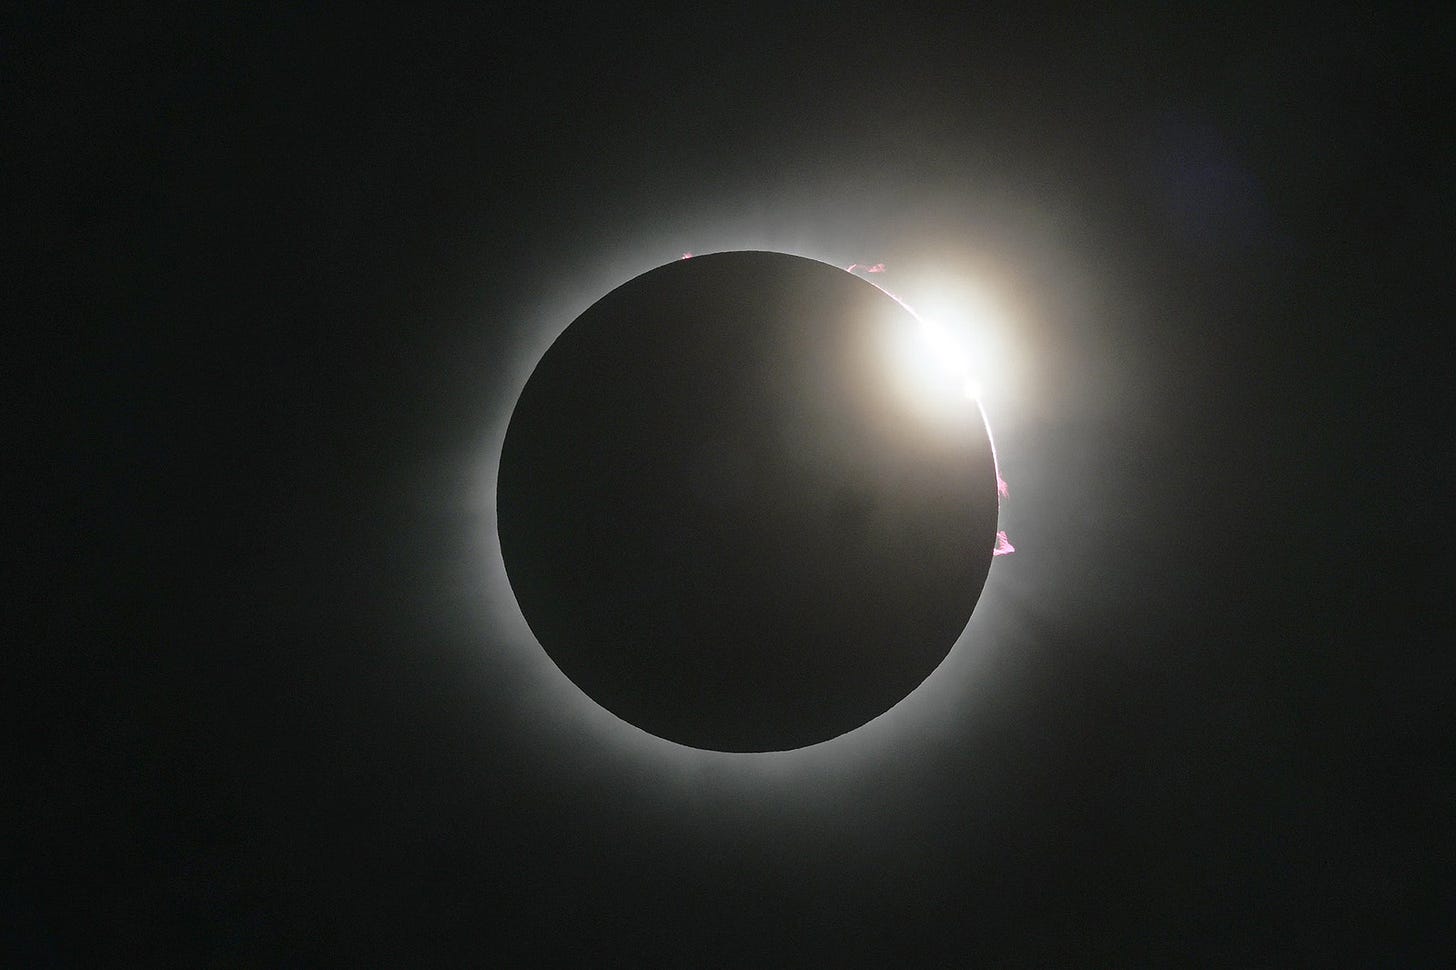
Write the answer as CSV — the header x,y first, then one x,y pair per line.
x,y
954,341
960,340
967,325
949,355
937,370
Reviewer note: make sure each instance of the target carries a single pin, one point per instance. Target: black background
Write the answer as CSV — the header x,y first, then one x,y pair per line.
x,y
275,277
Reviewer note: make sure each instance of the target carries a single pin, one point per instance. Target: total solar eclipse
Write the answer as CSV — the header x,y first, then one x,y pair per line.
x,y
732,515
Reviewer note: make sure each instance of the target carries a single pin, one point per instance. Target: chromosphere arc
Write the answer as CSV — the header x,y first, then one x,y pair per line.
x,y
723,517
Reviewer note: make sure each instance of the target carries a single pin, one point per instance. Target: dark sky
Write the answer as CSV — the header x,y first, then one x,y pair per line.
x,y
274,279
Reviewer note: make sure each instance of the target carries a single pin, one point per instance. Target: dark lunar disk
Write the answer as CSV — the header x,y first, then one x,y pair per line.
x,y
725,520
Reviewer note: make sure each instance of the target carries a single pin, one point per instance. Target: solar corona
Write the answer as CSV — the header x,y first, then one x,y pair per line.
x,y
747,501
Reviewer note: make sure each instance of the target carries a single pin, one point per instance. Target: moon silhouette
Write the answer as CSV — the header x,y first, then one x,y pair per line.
x,y
724,518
